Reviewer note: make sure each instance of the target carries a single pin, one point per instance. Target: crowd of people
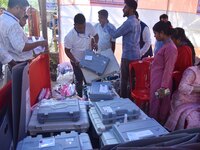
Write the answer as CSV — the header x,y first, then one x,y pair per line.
x,y
173,52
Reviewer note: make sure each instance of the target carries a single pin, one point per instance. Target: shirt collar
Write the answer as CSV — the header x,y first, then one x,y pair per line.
x,y
132,16
11,15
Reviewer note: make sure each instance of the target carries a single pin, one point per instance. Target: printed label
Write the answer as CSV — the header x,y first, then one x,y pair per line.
x,y
108,109
47,142
103,88
88,57
139,135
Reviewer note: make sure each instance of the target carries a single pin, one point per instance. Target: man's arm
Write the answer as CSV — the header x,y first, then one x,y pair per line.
x,y
70,56
122,30
19,42
31,46
94,42
147,41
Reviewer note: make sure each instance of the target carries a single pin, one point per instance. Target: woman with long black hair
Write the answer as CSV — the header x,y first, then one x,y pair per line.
x,y
161,73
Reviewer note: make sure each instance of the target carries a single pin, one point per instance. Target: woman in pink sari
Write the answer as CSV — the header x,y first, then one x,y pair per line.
x,y
185,104
161,73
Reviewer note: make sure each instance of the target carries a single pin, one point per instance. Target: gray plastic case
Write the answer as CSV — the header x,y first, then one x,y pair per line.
x,y
112,68
70,141
140,129
94,62
117,109
100,127
101,91
82,125
65,110
132,131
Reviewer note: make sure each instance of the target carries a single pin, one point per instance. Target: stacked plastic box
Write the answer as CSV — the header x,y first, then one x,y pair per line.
x,y
132,131
94,62
101,91
63,141
106,113
58,116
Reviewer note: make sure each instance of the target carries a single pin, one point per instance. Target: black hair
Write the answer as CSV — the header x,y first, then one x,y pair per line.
x,y
25,16
179,34
79,19
21,3
103,12
136,14
131,4
163,16
2,8
166,27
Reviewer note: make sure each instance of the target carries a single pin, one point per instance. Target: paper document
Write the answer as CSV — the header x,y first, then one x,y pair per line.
x,y
38,49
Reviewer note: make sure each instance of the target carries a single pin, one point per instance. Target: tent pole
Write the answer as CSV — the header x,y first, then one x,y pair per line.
x,y
43,13
168,3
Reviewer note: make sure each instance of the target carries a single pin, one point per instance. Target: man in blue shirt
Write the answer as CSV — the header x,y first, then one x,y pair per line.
x,y
130,30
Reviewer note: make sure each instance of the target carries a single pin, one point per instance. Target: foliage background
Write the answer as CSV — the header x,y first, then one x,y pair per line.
x,y
3,3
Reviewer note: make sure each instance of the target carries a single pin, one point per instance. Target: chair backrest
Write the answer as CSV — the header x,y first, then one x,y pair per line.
x,y
39,76
6,95
141,71
176,75
148,59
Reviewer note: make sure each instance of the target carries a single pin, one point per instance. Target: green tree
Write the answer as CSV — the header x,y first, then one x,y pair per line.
x,y
34,4
3,3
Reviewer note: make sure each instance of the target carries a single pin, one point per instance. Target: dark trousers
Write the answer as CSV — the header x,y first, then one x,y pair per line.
x,y
1,69
79,78
124,77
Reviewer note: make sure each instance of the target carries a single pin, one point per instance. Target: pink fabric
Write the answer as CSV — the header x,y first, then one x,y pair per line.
x,y
185,116
184,93
161,76
185,104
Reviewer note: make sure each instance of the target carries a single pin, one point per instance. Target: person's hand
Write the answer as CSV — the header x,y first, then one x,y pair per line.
x,y
95,46
44,43
162,92
11,64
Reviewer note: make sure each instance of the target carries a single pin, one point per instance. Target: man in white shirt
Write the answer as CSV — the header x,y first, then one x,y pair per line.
x,y
82,37
105,39
13,41
145,39
1,65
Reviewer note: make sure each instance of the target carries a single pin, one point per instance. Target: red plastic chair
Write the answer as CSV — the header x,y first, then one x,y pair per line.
x,y
176,76
148,59
6,95
140,92
39,76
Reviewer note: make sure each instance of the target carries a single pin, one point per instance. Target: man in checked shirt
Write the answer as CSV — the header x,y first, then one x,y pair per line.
x,y
13,41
